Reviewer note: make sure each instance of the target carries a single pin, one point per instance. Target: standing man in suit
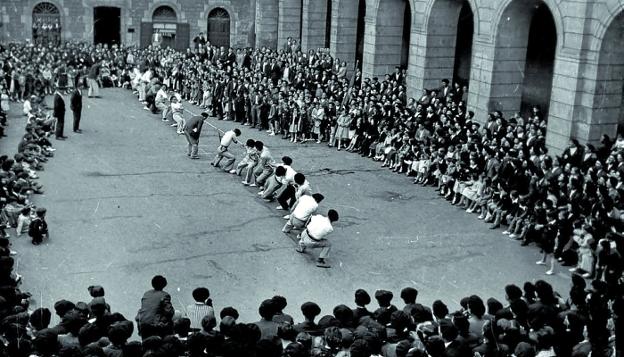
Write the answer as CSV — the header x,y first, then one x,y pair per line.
x,y
59,114
75,104
192,131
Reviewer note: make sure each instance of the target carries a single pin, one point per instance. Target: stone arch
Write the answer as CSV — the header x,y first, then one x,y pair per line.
x,y
608,101
614,9
29,7
202,23
219,21
552,6
155,4
449,41
423,18
527,38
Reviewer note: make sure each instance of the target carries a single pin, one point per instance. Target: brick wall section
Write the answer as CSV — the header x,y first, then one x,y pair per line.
x,y
313,24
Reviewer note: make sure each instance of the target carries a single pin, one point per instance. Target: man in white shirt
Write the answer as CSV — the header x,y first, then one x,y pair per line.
x,y
315,236
264,168
293,191
228,138
303,209
162,101
275,182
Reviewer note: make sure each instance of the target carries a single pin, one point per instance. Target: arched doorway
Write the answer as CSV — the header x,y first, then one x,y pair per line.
x,y
450,29
359,35
525,47
164,22
46,24
607,109
219,27
106,25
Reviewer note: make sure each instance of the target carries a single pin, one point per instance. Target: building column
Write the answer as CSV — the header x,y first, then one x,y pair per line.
x,y
383,39
416,67
481,74
313,24
267,13
344,22
289,21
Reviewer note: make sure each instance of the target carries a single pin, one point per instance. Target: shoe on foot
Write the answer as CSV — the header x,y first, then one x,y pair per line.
x,y
505,232
286,216
253,185
260,193
322,264
541,262
279,208
245,183
300,249
232,171
550,272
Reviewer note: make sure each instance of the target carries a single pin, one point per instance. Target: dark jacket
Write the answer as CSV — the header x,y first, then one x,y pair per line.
x,y
75,101
59,106
156,309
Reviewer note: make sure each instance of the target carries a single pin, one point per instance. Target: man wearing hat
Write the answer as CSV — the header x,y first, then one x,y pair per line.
x,y
75,104
59,114
38,229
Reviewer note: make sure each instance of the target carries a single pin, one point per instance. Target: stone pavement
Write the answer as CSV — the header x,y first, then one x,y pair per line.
x,y
124,203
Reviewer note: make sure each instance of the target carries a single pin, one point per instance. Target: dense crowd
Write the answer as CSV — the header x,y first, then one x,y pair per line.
x,y
569,205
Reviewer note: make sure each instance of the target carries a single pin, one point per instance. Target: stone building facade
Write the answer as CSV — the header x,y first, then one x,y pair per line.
x,y
564,55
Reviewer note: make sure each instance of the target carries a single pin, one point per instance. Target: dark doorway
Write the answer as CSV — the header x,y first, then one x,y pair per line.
x,y
463,46
359,39
405,39
219,27
107,25
540,61
328,20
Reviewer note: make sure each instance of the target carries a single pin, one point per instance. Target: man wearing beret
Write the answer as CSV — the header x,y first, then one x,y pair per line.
x,y
38,229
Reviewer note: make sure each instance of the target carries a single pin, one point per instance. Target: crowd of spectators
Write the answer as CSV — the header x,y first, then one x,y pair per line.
x,y
499,168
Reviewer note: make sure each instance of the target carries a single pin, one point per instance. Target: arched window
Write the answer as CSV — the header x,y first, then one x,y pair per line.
x,y
46,24
164,14
165,26
219,27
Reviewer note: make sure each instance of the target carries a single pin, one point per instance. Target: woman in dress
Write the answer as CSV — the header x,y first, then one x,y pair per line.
x,y
342,130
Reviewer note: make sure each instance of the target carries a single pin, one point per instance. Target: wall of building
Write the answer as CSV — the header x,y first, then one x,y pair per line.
x,y
77,17
587,72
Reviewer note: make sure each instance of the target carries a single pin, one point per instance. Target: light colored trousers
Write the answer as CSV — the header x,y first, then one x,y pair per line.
x,y
305,241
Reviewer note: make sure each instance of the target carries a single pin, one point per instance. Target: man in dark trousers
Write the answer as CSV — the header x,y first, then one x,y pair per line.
x,y
59,114
38,229
76,107
192,131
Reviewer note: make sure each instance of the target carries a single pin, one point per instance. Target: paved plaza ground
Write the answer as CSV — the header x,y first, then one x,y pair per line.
x,y
124,203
